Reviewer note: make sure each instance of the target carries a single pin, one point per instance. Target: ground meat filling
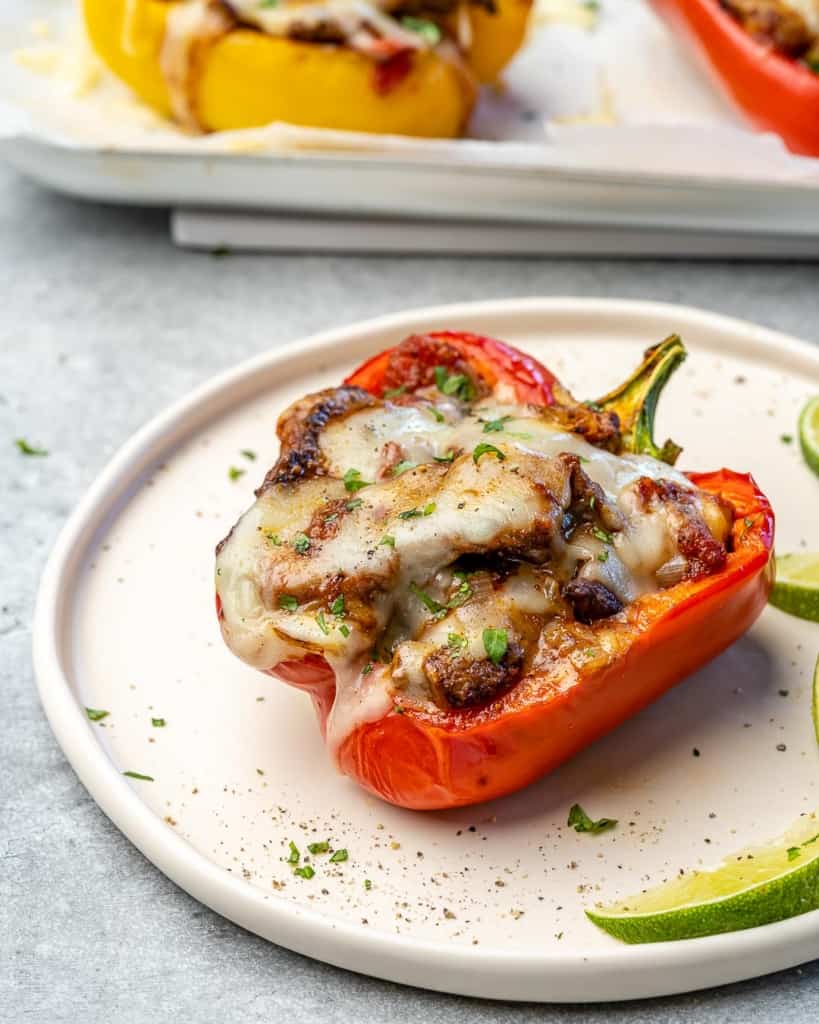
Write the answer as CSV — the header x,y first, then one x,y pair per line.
x,y
464,683
591,601
776,24
412,365
701,544
588,501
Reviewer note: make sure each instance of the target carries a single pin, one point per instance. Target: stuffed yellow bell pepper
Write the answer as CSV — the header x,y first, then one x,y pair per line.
x,y
408,67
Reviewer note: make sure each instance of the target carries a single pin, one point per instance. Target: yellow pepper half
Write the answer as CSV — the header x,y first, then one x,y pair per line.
x,y
245,79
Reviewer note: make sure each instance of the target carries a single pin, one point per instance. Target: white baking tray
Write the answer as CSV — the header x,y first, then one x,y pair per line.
x,y
605,126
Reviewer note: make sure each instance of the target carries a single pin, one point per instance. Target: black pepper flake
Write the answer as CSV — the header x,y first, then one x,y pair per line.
x,y
695,752
781,746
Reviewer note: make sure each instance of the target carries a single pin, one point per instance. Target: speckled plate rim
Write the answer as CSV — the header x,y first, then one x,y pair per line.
x,y
622,972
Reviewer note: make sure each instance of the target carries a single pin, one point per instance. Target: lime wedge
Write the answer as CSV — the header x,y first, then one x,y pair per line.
x,y
809,433
796,590
753,887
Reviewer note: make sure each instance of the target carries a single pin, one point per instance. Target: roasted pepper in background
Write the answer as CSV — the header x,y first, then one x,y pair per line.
x,y
212,65
764,54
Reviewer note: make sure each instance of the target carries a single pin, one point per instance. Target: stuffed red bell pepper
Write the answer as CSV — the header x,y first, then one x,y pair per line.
x,y
765,54
474,575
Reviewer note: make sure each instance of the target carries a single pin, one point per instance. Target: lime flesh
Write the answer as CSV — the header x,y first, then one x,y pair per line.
x,y
809,433
796,590
753,887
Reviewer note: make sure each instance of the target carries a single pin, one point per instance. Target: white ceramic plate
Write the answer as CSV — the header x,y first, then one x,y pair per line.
x,y
486,901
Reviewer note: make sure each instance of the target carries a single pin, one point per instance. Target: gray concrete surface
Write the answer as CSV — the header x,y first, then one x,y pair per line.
x,y
102,323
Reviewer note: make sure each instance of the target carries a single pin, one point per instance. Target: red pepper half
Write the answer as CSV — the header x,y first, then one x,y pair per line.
x,y
776,92
426,759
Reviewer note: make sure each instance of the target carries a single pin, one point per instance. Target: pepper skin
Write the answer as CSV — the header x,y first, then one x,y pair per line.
x,y
246,79
775,92
424,759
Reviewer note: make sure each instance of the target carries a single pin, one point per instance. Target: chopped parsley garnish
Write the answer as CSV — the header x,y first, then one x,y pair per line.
x,y
455,384
344,630
158,723
786,438
235,473
794,852
273,538
338,607
581,822
305,872
368,884
602,535
446,457
288,603
268,3
353,482
460,597
367,669
427,30
387,541
321,847
322,624
301,543
430,508
295,854
139,775
462,594
249,454
457,642
395,392
354,504
403,467
29,449
495,643
410,513
433,606
487,449
495,426
96,714
439,416
339,857
603,556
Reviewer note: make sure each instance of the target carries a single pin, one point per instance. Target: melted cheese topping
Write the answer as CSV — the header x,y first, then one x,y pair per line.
x,y
400,534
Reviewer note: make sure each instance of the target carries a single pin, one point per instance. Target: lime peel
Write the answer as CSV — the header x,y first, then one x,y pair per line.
x,y
816,700
753,887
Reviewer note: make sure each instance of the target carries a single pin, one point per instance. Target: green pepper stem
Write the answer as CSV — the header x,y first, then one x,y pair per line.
x,y
635,401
